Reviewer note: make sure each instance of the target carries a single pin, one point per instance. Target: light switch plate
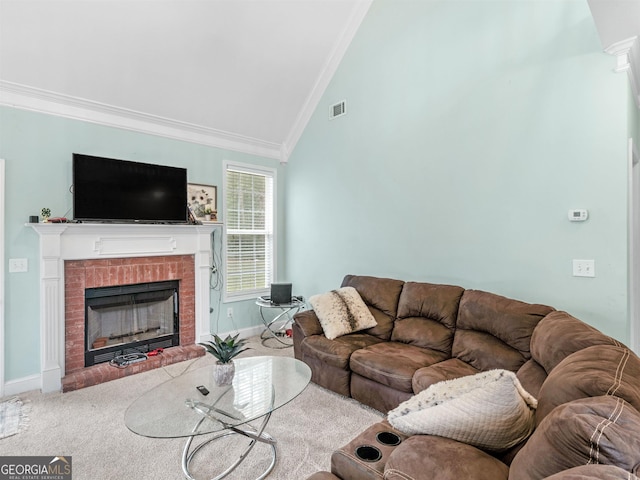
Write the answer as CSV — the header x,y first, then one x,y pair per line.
x,y
17,265
584,268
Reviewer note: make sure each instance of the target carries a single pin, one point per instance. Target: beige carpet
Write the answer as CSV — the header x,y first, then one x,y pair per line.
x,y
88,425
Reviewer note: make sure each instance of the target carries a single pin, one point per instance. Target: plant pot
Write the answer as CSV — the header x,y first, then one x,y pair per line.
x,y
223,373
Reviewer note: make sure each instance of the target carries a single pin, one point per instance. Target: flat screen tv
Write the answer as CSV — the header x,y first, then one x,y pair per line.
x,y
110,190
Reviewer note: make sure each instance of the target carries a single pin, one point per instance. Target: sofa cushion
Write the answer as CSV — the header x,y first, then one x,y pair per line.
x,y
494,331
591,430
381,296
590,372
392,363
308,322
532,376
439,458
427,315
439,372
336,353
593,472
489,410
558,335
329,359
341,311
376,395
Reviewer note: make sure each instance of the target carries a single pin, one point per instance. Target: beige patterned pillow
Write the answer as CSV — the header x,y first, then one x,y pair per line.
x,y
341,311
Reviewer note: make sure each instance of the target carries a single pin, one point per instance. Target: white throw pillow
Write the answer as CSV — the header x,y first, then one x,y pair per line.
x,y
341,311
489,410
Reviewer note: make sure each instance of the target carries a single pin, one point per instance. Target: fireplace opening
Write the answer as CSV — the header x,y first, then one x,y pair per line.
x,y
127,319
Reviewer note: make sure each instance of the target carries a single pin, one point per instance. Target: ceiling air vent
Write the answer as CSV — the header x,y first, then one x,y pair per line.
x,y
338,110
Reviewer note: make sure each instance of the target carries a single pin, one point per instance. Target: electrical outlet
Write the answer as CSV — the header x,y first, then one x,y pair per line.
x,y
18,265
229,312
584,268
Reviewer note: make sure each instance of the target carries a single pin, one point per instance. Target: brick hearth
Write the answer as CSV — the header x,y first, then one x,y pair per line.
x,y
82,274
104,372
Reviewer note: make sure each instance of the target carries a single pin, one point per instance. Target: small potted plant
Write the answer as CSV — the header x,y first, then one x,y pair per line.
x,y
224,351
207,213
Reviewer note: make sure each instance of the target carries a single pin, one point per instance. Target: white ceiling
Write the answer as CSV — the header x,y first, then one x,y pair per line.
x,y
616,20
244,74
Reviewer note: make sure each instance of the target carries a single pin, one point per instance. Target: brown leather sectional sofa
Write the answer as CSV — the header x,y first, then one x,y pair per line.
x,y
587,384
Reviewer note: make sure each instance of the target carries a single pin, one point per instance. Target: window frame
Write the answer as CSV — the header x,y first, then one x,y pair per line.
x,y
255,170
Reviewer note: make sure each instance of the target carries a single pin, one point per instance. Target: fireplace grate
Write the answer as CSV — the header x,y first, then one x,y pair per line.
x,y
130,319
102,357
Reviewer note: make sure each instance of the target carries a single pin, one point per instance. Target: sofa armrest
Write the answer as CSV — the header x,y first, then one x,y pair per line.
x,y
308,323
451,459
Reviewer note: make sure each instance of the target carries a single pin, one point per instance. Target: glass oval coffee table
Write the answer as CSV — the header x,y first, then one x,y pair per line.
x,y
178,408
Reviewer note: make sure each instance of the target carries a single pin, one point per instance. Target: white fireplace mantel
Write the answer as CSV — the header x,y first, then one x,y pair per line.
x,y
79,241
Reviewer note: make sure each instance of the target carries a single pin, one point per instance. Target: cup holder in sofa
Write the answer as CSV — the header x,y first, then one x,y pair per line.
x,y
368,453
388,438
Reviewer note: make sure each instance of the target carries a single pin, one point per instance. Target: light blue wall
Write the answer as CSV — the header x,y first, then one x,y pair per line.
x,y
471,129
38,150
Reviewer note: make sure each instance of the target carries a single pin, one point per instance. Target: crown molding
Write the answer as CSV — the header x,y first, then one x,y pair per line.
x,y
33,99
327,72
43,101
627,53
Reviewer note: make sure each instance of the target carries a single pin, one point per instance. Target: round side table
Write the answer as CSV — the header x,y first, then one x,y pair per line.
x,y
275,328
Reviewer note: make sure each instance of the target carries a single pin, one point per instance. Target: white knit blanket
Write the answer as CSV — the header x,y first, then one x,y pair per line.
x,y
490,410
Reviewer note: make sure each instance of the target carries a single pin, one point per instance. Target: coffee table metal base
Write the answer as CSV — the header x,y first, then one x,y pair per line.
x,y
256,435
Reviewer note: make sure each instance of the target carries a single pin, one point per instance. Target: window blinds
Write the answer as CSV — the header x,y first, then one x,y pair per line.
x,y
249,226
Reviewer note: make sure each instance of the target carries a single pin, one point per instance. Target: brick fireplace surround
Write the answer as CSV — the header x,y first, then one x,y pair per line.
x,y
82,274
78,256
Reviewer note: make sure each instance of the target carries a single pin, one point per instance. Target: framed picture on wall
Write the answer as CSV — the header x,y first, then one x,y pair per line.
x,y
203,201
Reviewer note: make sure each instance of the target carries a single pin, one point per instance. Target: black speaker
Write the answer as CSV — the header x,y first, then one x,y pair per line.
x,y
280,293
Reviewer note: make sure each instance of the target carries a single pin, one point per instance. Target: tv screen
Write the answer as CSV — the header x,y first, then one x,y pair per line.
x,y
106,189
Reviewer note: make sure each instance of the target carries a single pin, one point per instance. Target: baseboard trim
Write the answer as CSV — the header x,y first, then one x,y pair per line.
x,y
244,332
21,385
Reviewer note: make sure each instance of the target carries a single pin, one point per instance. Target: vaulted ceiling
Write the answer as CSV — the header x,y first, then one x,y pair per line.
x,y
244,75
238,74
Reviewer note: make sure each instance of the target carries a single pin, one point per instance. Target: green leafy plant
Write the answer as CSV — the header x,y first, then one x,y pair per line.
x,y
225,350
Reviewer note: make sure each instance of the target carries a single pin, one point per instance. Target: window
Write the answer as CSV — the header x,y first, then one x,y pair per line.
x,y
249,230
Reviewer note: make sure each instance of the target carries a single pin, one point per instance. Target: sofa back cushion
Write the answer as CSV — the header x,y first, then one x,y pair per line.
x,y
558,335
532,376
587,431
494,331
590,372
381,295
427,315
